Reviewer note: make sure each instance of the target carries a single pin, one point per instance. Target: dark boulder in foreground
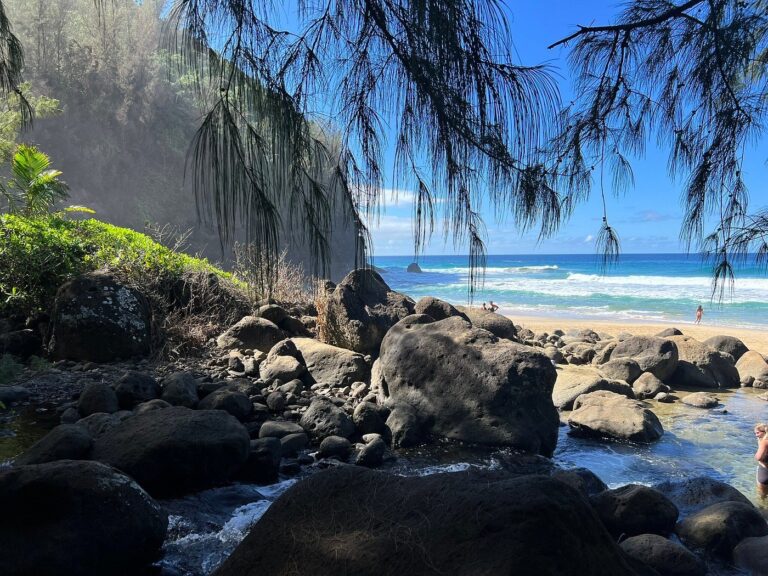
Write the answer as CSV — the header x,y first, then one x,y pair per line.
x,y
693,494
355,521
466,384
361,309
176,450
496,324
76,519
635,509
98,319
666,557
717,529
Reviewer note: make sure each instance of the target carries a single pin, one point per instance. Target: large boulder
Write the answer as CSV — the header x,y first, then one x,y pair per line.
x,y
666,557
466,384
65,442
496,324
351,520
282,363
635,509
694,494
176,450
701,366
717,529
361,309
573,381
728,345
76,518
751,554
251,332
23,343
611,415
98,319
753,366
235,403
656,355
332,365
648,386
624,369
180,389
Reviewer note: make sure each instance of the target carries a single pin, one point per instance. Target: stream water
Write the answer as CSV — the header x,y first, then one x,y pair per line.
x,y
718,443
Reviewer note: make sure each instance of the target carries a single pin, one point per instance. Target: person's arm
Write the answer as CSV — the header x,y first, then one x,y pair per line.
x,y
762,450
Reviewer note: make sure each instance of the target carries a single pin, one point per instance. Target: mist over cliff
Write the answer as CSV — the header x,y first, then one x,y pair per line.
x,y
127,116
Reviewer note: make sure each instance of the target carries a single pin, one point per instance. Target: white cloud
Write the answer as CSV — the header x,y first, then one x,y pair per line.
x,y
589,238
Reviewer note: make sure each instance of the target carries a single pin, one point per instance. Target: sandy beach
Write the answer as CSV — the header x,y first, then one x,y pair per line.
x,y
754,339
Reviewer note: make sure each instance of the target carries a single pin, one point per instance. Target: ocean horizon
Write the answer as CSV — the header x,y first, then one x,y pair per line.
x,y
639,288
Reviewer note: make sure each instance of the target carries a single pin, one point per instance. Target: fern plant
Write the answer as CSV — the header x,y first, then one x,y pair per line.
x,y
34,187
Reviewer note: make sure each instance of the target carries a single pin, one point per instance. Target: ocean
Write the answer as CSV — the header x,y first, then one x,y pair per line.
x,y
640,288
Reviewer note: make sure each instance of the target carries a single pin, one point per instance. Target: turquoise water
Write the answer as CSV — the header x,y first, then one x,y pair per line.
x,y
641,288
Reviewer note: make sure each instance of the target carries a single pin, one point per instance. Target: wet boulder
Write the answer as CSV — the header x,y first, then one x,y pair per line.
x,y
700,400
573,381
751,555
717,529
658,356
519,525
634,509
648,386
176,450
77,518
466,384
610,415
361,309
694,494
583,479
65,442
96,318
728,345
332,365
251,332
413,267
666,557
702,366
753,366
263,464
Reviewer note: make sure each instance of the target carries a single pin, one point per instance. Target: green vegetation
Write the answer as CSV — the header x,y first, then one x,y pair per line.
x,y
39,253
34,187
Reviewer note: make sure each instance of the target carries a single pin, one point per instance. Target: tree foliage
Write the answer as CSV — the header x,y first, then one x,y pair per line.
x,y
34,187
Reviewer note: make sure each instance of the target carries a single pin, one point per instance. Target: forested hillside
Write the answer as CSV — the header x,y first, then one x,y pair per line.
x,y
126,117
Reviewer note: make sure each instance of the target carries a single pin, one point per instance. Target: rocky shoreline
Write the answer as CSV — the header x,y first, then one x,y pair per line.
x,y
268,399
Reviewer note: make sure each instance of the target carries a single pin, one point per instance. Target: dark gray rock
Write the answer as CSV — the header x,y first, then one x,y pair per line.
x,y
100,423
515,522
583,479
727,344
702,366
372,454
368,419
156,404
666,557
611,415
263,464
76,518
13,394
335,447
65,442
97,397
667,332
134,388
751,554
96,318
437,309
700,400
332,365
573,381
235,403
752,365
272,312
406,428
718,528
278,429
624,369
360,311
634,509
180,389
22,343
413,267
176,450
496,324
658,356
694,494
323,418
251,332
291,444
276,401
648,386
466,384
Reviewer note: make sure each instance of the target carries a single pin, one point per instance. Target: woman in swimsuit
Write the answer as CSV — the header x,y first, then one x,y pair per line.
x,y
762,458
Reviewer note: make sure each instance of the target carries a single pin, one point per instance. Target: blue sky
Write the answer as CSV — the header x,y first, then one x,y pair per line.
x,y
647,218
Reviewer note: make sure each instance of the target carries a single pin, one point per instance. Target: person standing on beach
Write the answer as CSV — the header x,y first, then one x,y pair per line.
x,y
699,314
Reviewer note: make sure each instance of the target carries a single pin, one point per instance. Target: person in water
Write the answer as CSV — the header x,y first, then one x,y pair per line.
x,y
699,314
762,458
